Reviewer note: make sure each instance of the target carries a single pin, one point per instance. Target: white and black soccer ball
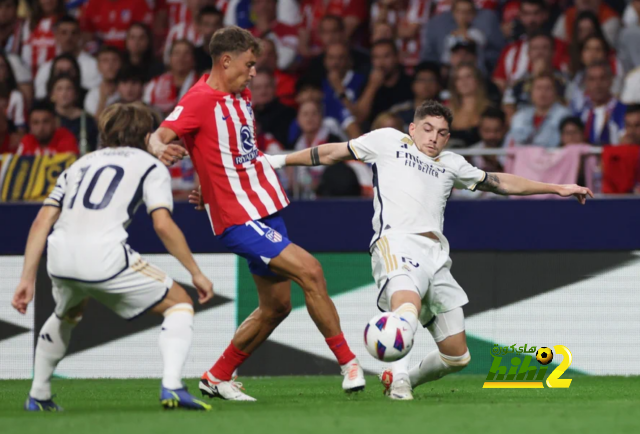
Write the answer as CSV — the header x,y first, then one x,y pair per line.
x,y
388,337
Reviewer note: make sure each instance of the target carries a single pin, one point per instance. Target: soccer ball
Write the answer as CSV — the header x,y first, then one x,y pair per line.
x,y
388,337
544,355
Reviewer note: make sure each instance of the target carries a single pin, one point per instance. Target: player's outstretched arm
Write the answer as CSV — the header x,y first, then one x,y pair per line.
x,y
323,155
160,145
36,241
173,239
507,184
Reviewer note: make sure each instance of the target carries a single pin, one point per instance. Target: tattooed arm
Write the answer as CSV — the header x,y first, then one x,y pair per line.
x,y
323,155
507,184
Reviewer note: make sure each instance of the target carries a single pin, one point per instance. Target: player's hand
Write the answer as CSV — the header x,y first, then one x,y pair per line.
x,y
23,296
204,288
195,198
170,154
579,192
376,78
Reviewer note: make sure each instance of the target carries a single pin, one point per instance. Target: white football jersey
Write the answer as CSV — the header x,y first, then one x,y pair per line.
x,y
410,188
98,196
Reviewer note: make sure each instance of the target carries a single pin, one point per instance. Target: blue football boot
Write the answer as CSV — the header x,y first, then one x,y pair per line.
x,y
176,398
33,404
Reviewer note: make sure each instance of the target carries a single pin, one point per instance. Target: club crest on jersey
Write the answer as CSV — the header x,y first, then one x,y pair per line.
x,y
125,15
274,236
246,146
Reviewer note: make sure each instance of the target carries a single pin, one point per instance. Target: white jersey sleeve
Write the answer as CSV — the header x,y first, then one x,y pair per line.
x,y
57,194
468,176
156,189
367,147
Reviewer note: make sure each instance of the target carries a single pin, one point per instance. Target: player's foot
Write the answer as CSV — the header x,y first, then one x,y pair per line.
x,y
33,404
181,398
353,377
230,390
399,390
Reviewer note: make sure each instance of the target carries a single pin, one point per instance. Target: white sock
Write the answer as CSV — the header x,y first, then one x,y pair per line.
x,y
437,365
409,313
175,342
400,368
53,342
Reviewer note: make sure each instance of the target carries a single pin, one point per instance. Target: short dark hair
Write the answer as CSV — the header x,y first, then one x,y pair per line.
x,y
545,74
334,18
541,33
209,10
432,67
56,78
386,41
130,73
572,120
632,108
232,39
433,108
42,105
455,2
494,113
66,19
109,49
540,3
125,125
15,2
186,42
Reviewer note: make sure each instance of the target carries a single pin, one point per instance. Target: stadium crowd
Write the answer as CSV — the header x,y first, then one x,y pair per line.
x,y
516,74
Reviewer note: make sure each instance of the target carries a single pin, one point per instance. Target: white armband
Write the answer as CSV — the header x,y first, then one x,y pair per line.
x,y
276,161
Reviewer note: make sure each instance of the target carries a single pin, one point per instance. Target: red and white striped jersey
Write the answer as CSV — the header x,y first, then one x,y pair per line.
x,y
110,20
179,32
285,39
177,11
162,92
218,129
514,60
40,44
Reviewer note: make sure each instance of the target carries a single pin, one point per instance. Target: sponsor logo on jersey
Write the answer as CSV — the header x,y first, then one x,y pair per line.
x,y
415,162
175,114
246,146
273,236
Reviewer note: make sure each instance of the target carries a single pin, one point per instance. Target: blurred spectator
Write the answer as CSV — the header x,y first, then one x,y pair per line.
x,y
63,63
631,14
273,116
39,40
409,17
285,81
45,137
98,98
539,124
139,51
354,14
628,48
631,126
11,31
463,13
382,30
468,101
314,133
603,114
514,18
164,91
541,61
572,131
341,88
130,84
387,84
339,180
9,139
608,18
66,32
492,129
426,85
239,12
486,21
283,36
120,13
514,62
388,120
15,110
185,30
594,49
442,6
64,94
330,31
209,22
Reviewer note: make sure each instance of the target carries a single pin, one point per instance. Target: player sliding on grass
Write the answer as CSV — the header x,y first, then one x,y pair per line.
x,y
91,204
413,179
243,197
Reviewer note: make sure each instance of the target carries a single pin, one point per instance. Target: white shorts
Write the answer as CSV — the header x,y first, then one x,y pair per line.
x,y
135,290
427,263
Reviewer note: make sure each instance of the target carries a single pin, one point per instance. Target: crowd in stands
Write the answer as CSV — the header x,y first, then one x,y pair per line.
x,y
515,73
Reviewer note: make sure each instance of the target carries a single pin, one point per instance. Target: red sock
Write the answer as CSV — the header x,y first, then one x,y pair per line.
x,y
340,349
228,362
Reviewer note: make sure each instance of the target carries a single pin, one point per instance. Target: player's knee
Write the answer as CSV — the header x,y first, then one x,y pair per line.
x,y
278,311
312,276
178,295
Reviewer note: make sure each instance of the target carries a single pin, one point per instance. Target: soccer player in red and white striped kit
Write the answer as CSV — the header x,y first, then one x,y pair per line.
x,y
242,197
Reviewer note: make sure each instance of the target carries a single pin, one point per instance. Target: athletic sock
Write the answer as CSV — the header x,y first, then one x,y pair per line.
x,y
409,313
437,365
400,368
175,342
338,344
228,363
53,342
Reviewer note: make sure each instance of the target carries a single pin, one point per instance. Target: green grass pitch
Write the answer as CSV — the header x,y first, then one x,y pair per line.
x,y
456,404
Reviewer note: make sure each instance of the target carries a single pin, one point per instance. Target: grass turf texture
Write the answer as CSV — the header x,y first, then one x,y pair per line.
x,y
317,405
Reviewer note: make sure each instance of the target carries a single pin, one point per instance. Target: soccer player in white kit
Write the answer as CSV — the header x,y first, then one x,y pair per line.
x,y
413,178
91,205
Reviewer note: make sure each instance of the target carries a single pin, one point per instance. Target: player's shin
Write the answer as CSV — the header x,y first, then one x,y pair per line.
x,y
436,365
53,342
175,342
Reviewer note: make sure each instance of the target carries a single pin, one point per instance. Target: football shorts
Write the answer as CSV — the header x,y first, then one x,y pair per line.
x,y
129,294
427,263
258,241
